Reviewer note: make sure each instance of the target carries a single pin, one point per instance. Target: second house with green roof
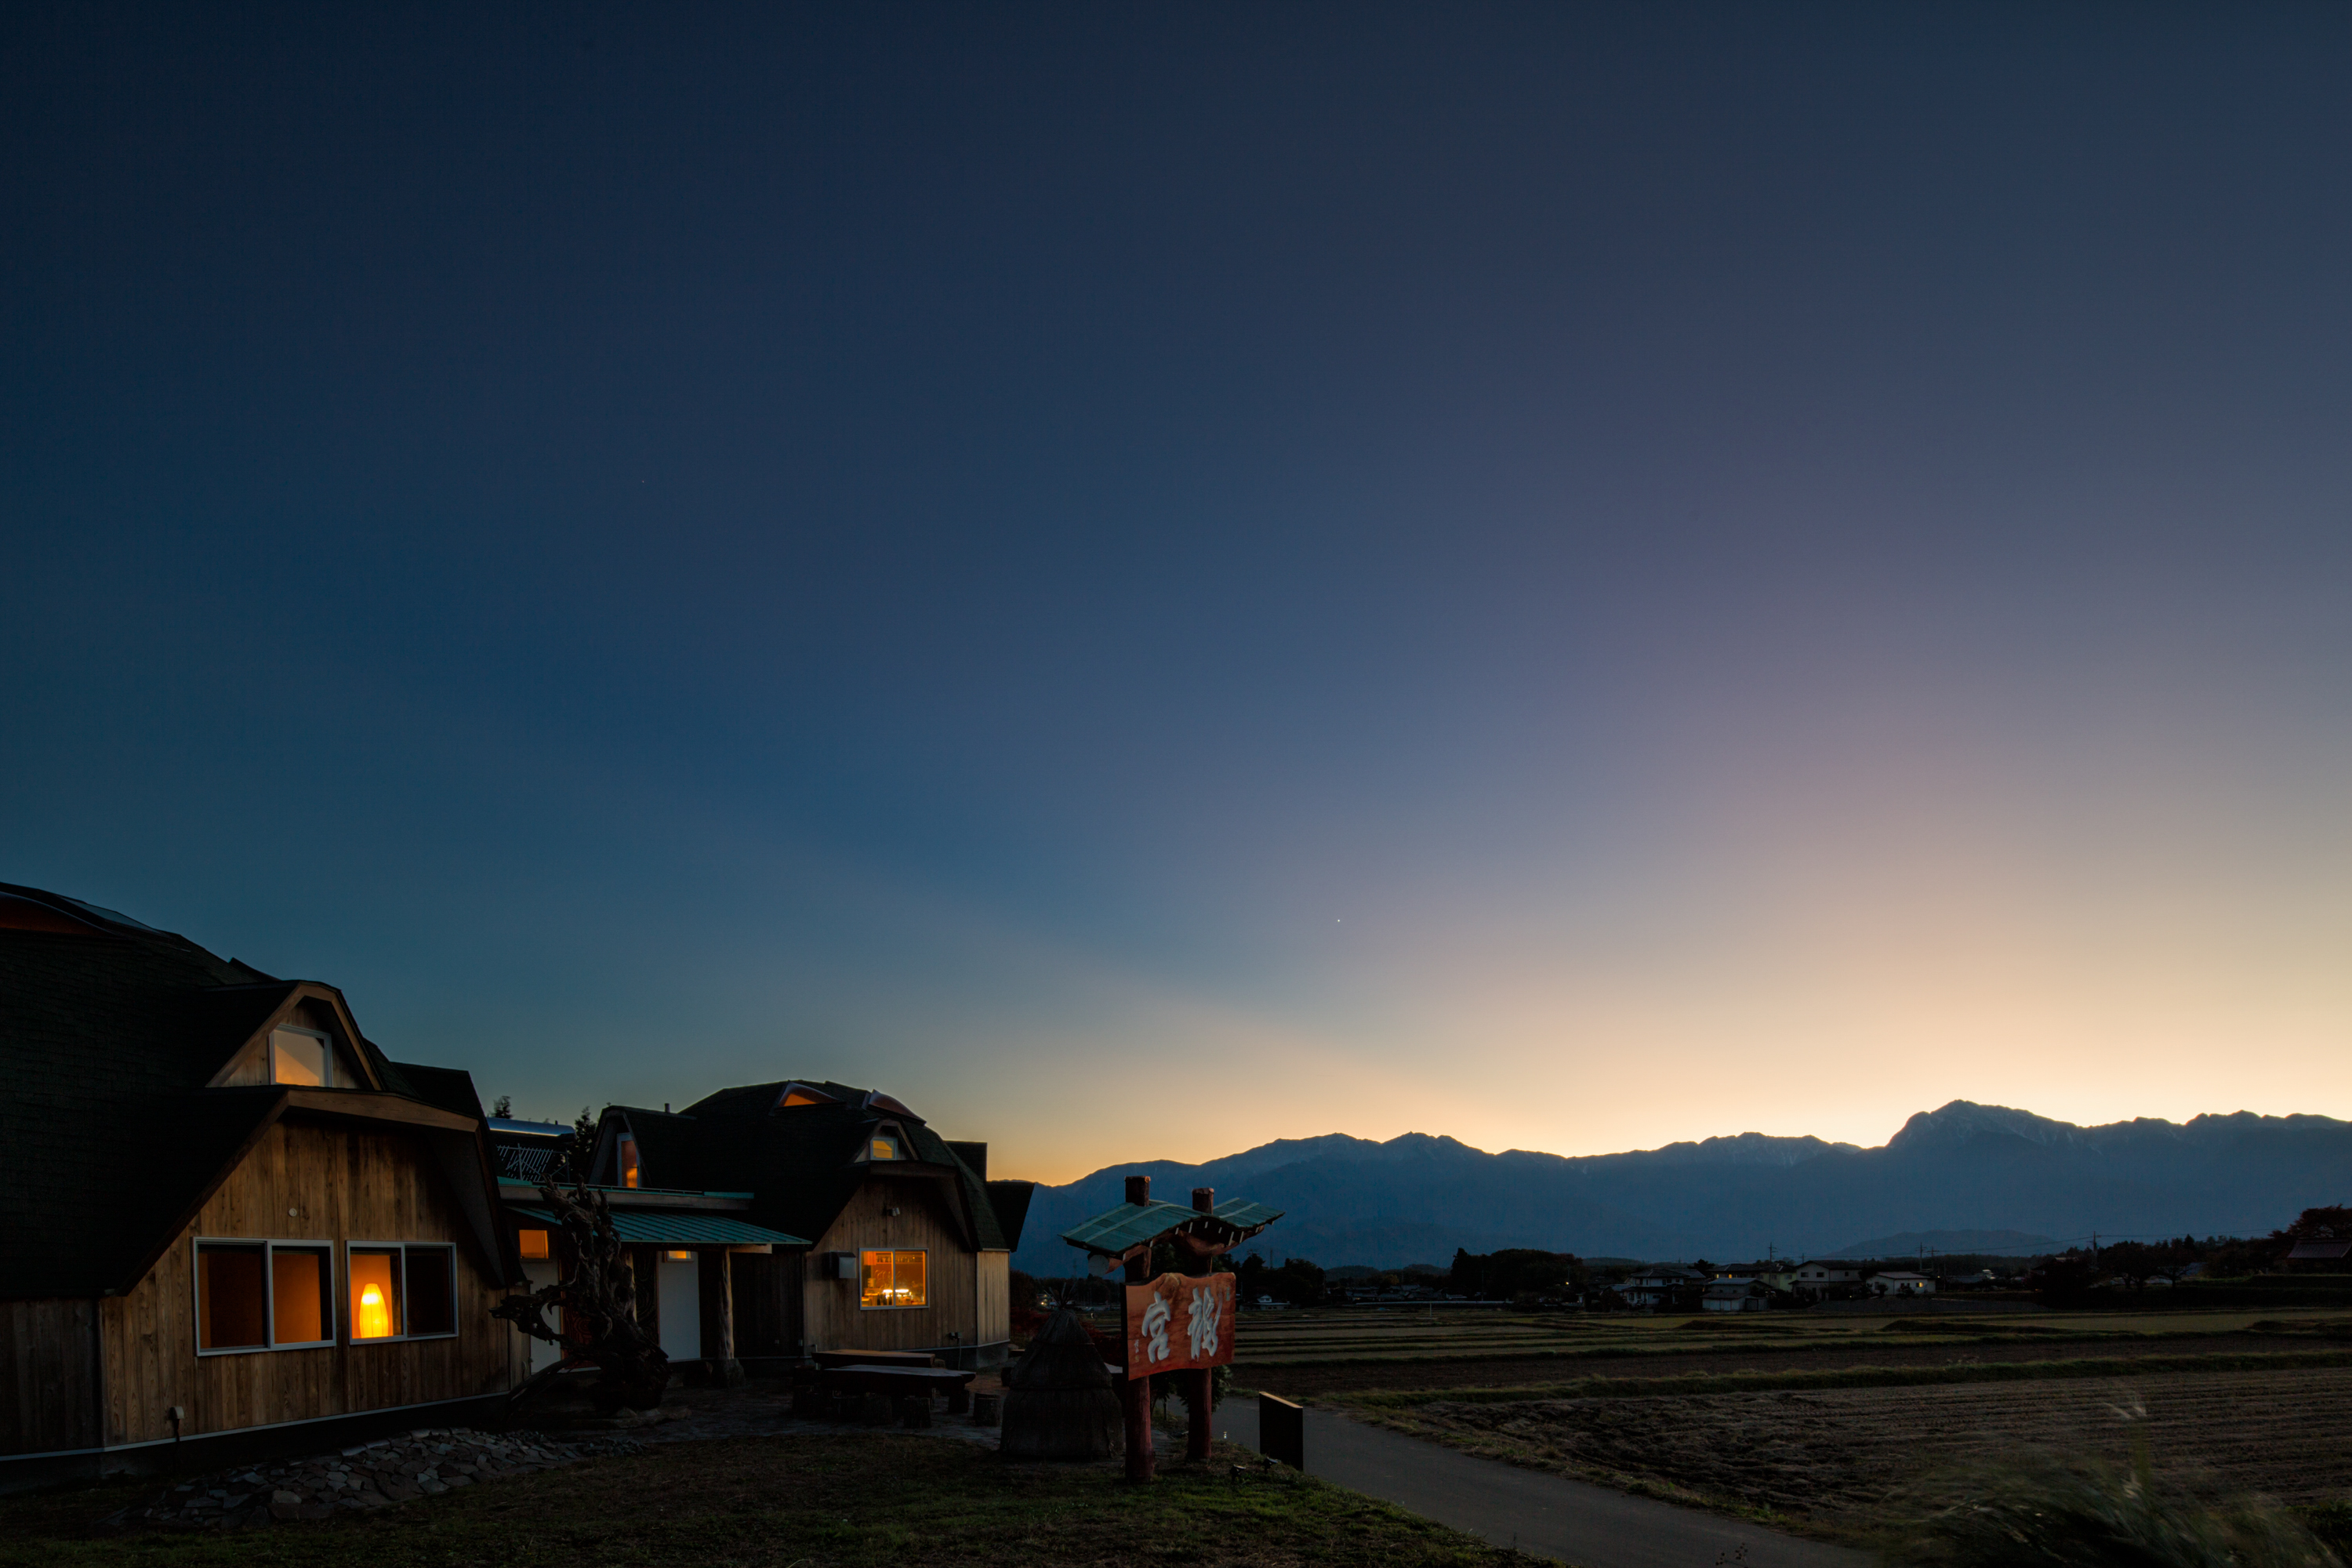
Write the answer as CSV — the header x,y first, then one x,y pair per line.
x,y
799,1218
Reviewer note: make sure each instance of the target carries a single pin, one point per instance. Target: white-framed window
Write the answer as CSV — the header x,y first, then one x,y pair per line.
x,y
296,1056
887,1278
401,1290
263,1295
887,1142
304,1058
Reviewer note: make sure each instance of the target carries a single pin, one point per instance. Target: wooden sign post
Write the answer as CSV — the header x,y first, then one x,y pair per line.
x,y
1136,1391
1181,1321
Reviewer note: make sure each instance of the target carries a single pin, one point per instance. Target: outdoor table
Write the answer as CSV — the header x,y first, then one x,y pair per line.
x,y
874,1358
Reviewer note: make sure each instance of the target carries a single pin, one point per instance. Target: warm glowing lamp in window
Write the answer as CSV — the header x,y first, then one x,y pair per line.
x,y
628,1162
375,1295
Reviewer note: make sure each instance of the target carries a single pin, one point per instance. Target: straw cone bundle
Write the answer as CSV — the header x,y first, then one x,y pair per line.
x,y
1058,1400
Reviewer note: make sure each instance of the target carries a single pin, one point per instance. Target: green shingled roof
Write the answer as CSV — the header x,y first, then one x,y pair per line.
x,y
1132,1224
680,1229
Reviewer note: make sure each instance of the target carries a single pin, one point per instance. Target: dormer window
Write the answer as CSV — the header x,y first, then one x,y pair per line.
x,y
301,1056
295,1057
628,1161
883,1146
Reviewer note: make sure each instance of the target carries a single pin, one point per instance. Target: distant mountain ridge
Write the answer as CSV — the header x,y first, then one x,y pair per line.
x,y
1980,1243
1962,1168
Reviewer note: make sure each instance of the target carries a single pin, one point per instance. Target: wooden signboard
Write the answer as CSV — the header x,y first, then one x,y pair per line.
x,y
1180,1321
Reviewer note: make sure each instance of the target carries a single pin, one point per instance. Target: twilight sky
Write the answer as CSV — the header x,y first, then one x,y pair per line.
x,y
1150,578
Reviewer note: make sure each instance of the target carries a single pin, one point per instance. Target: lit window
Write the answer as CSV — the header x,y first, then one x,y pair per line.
x,y
533,1243
252,1295
679,1256
403,1291
891,1280
295,1057
298,1056
375,1295
628,1162
883,1149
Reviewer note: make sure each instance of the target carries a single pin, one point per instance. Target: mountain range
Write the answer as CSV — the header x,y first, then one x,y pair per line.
x,y
1964,1168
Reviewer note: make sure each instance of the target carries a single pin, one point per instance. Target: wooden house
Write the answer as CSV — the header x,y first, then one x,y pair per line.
x,y
907,1246
238,1225
687,1250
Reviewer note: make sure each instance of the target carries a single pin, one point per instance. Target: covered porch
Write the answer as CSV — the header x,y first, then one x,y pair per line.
x,y
684,1249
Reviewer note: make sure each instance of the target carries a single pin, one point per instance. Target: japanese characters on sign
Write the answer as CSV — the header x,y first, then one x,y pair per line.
x,y
1177,1321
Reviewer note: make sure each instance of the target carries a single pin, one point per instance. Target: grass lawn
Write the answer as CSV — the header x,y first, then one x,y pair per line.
x,y
794,1502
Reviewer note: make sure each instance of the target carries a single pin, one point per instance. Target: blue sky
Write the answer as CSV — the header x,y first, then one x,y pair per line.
x,y
1566,577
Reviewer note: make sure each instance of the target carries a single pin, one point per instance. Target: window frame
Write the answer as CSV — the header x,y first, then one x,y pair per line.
x,y
330,1052
407,1297
866,1306
269,1246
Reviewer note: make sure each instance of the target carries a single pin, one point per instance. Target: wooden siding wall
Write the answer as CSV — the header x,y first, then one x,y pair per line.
x,y
995,1297
767,1304
48,1376
341,1184
830,1311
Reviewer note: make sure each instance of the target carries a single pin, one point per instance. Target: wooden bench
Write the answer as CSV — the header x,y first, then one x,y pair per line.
x,y
886,1378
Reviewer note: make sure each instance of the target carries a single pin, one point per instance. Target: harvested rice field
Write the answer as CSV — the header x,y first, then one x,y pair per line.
x,y
1342,1353
1831,1460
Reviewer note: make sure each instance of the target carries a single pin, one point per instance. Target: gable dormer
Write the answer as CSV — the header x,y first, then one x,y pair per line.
x,y
886,1142
618,1159
308,1043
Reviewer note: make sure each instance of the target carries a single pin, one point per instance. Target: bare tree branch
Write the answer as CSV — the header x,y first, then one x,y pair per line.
x,y
598,1298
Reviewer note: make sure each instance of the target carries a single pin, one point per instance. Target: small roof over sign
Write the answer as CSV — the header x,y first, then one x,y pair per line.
x,y
1123,1230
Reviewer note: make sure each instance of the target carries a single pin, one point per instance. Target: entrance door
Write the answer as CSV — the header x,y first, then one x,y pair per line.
x,y
680,1282
538,1276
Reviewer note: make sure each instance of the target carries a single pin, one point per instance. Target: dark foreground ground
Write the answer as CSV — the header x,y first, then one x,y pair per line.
x,y
795,1502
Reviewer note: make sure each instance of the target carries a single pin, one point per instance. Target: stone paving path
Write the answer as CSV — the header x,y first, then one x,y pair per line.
x,y
427,1462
